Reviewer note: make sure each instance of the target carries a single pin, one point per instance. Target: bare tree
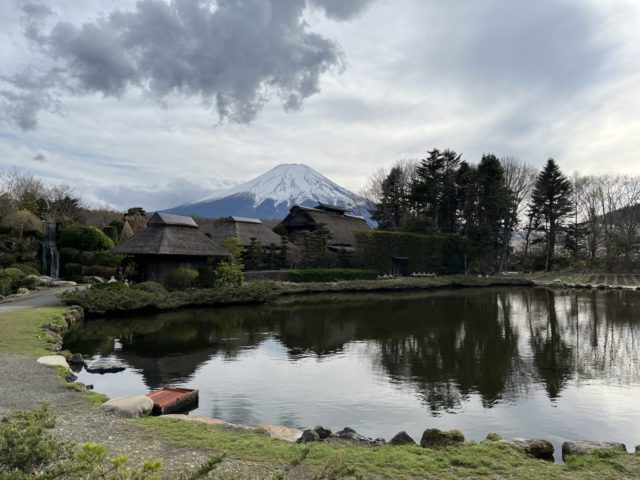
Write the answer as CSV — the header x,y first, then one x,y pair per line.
x,y
519,178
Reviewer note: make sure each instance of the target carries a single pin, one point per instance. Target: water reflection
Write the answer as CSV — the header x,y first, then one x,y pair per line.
x,y
289,361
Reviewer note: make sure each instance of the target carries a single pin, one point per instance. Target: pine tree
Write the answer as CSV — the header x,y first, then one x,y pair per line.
x,y
392,211
550,205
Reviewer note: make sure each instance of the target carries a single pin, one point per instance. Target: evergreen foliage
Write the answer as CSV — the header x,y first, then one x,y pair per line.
x,y
84,238
550,206
331,275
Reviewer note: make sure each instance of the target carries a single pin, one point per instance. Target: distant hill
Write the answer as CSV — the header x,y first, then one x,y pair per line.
x,y
272,194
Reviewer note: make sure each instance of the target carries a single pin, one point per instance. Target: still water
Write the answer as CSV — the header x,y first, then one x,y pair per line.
x,y
521,362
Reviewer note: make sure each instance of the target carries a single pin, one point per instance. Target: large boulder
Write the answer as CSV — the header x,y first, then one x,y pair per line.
x,y
132,406
105,365
351,435
541,449
585,447
62,283
322,432
433,437
308,436
76,359
54,361
402,438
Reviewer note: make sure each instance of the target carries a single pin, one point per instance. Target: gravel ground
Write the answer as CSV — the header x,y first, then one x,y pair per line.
x,y
26,384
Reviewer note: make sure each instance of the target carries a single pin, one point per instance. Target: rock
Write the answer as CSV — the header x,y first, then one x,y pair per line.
x,y
132,406
402,438
76,359
55,340
70,378
62,283
92,279
54,361
308,436
322,432
585,447
433,437
280,432
350,434
45,280
541,449
105,366
22,291
74,315
53,327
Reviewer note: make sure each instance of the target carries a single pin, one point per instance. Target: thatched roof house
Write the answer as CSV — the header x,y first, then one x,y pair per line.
x,y
244,229
169,242
340,224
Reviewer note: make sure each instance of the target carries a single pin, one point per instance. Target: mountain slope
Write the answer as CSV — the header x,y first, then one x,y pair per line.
x,y
273,193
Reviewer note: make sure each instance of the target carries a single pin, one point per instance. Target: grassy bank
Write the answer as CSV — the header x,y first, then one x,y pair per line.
x,y
22,331
120,299
343,460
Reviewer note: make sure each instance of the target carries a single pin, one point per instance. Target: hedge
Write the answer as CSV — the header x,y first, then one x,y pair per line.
x,y
10,280
443,254
331,275
84,238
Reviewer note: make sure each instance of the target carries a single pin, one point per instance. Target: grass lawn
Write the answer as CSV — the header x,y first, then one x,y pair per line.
x,y
341,460
22,331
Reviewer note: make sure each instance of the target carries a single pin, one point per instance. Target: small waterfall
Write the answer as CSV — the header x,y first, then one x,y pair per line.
x,y
50,254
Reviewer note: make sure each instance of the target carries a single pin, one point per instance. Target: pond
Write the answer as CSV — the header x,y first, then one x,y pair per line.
x,y
531,363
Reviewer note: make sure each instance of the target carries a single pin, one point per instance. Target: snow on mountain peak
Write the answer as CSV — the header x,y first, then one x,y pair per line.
x,y
293,183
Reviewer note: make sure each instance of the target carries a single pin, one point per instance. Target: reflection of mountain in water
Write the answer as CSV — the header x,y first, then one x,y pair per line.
x,y
446,345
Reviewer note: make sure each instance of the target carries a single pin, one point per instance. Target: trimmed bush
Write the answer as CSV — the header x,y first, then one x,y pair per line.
x,y
111,232
183,277
107,259
68,255
10,280
443,254
72,270
84,238
27,268
151,287
98,271
331,275
86,258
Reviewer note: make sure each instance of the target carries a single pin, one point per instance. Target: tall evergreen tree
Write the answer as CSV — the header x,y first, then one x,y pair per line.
x,y
393,210
435,193
550,205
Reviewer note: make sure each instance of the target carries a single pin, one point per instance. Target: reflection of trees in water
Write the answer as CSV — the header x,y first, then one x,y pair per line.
x,y
447,345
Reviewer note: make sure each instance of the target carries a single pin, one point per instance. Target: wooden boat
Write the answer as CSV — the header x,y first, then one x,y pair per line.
x,y
173,400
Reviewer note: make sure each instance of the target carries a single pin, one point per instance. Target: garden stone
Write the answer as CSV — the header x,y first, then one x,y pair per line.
x,y
322,432
541,449
132,406
585,447
105,366
433,437
70,378
76,359
350,434
54,361
45,280
402,438
62,283
308,436
93,279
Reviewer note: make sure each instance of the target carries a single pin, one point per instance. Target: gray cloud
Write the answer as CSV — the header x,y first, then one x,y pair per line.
x,y
232,54
40,158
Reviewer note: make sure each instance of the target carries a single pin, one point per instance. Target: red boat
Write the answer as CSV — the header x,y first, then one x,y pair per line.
x,y
173,400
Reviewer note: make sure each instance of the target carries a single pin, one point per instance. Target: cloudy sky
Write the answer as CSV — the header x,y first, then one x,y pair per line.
x,y
159,102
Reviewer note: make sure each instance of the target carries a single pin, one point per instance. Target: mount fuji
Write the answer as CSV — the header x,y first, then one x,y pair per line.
x,y
272,194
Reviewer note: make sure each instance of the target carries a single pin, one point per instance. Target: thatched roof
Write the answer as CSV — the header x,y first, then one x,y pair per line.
x,y
171,235
244,229
341,225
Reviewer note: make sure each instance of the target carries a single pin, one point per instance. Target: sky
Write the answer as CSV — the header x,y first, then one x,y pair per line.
x,y
162,102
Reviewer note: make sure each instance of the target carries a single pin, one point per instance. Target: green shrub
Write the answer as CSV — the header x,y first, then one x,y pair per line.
x,y
86,258
98,271
331,275
151,287
113,286
29,268
84,238
111,232
442,253
68,255
228,274
183,277
72,270
7,259
10,280
31,281
107,259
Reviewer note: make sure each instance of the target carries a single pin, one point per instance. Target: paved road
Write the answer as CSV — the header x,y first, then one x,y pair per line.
x,y
43,298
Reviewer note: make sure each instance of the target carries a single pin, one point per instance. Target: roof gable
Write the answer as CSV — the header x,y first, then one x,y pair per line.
x,y
161,218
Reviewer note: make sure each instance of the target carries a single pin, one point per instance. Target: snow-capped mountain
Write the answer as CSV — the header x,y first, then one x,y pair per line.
x,y
273,193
